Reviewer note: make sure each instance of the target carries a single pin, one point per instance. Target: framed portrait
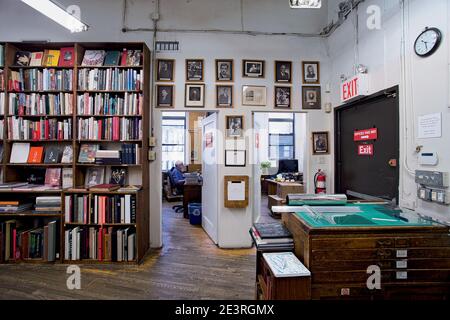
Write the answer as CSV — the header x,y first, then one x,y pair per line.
x,y
194,69
311,97
195,95
283,71
282,97
311,72
94,176
320,143
224,96
224,70
254,96
165,70
235,126
235,158
164,98
253,68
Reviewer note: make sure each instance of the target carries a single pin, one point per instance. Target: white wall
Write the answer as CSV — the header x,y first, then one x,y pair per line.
x,y
424,85
105,20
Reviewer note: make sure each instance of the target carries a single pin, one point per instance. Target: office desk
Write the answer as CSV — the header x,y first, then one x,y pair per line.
x,y
282,189
192,193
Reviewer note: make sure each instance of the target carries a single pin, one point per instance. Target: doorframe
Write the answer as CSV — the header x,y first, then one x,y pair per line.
x,y
358,102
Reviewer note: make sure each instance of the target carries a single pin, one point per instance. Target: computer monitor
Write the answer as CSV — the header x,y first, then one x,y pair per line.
x,y
287,166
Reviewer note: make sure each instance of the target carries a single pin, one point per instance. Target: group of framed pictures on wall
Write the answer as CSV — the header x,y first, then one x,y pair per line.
x,y
252,95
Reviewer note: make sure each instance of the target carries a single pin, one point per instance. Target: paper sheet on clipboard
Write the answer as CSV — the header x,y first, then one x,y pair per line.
x,y
236,190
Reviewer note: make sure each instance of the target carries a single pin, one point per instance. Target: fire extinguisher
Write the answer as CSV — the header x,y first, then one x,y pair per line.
x,y
320,182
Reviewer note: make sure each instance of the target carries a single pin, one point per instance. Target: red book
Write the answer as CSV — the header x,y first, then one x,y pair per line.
x,y
116,126
123,61
36,155
67,57
100,244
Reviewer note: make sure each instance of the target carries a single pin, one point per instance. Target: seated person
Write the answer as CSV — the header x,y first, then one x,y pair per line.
x,y
177,176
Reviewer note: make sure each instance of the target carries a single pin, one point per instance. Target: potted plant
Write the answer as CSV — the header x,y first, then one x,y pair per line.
x,y
265,166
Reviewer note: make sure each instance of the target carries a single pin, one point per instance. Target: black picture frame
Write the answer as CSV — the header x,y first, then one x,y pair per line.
x,y
224,96
235,152
164,96
283,71
165,70
320,143
224,74
282,97
257,65
311,98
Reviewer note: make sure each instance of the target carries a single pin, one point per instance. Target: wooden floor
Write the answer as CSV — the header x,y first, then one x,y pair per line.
x,y
188,267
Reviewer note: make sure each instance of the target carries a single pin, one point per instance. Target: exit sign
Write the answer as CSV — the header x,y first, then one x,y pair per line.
x,y
365,150
355,87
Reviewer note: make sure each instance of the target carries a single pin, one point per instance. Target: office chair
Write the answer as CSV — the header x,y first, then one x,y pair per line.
x,y
177,208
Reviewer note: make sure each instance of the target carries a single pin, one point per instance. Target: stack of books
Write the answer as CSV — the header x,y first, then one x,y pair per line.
x,y
14,206
48,204
272,236
108,157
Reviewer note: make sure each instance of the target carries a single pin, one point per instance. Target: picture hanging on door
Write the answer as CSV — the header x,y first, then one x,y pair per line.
x,y
311,97
195,95
320,143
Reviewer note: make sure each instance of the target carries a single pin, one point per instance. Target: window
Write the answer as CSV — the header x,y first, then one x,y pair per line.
x,y
173,138
281,136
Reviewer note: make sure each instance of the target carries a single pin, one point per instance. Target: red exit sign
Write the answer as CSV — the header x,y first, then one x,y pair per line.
x,y
365,150
366,135
354,87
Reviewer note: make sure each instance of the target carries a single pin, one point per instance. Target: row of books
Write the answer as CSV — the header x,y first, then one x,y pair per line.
x,y
41,80
110,79
47,58
115,128
25,153
272,236
102,244
98,209
108,104
21,104
128,154
21,242
2,125
98,58
43,129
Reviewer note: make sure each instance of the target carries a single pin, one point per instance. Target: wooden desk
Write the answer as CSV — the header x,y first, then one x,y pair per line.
x,y
282,189
192,193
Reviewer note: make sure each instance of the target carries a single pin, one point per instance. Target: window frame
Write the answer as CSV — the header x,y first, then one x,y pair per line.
x,y
281,120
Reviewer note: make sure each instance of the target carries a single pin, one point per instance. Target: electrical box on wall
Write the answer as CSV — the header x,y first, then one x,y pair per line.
x,y
152,155
428,159
431,186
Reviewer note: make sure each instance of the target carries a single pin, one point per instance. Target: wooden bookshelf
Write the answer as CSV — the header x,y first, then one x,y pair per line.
x,y
12,172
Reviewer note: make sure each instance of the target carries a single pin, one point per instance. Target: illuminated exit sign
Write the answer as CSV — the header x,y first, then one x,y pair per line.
x,y
305,4
355,87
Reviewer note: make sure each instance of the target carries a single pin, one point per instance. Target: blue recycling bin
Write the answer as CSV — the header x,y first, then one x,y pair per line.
x,y
195,213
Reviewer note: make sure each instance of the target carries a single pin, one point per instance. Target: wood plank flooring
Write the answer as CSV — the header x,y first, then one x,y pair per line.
x,y
189,266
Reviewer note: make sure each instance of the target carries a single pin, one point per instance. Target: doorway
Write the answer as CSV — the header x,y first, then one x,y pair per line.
x,y
367,146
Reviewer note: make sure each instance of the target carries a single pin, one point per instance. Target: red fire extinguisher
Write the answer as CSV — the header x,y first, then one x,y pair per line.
x,y
320,182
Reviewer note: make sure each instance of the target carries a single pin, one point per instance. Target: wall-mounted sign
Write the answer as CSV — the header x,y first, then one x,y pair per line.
x,y
430,126
366,135
365,150
355,87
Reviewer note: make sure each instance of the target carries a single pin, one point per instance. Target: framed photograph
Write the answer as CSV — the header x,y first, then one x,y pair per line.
x,y
282,97
235,126
254,96
165,71
320,143
164,98
311,72
94,176
235,158
283,71
224,70
194,69
253,68
311,97
224,96
195,95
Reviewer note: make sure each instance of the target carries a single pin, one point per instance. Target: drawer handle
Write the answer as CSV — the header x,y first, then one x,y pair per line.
x,y
384,243
384,253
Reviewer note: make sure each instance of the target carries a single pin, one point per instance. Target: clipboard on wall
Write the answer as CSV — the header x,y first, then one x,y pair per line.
x,y
236,191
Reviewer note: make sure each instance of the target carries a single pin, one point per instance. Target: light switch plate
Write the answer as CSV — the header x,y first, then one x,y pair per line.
x,y
152,155
152,142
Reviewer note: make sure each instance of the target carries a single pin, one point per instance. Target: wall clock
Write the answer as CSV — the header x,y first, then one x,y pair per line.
x,y
428,42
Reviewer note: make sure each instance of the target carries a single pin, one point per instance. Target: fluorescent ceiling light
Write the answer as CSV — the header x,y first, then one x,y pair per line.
x,y
57,14
305,4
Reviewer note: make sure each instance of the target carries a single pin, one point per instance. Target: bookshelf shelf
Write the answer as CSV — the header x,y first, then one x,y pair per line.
x,y
14,172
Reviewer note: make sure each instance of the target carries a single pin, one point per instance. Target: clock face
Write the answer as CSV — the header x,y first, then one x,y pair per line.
x,y
428,42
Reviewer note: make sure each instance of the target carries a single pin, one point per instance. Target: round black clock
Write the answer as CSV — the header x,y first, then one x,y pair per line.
x,y
428,42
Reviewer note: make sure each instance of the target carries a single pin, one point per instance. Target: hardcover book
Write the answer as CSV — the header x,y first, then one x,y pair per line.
x,y
36,59
22,58
36,154
93,58
53,177
67,156
67,57
134,58
285,264
67,180
94,176
118,176
19,153
112,58
52,155
104,187
87,153
51,58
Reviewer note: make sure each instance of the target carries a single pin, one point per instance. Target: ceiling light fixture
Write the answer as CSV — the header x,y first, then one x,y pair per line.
x,y
305,4
58,14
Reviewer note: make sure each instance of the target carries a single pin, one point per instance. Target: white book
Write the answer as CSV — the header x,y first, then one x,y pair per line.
x,y
96,209
127,208
285,264
78,246
19,153
66,245
67,206
131,242
122,210
74,243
